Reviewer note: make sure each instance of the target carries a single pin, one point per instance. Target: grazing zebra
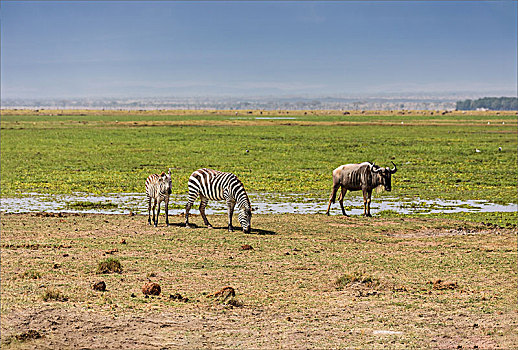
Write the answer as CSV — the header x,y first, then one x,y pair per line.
x,y
216,185
158,189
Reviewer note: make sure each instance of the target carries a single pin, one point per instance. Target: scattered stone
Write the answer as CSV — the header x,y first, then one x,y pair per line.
x,y
111,251
178,297
65,255
246,247
123,241
24,336
133,295
226,296
443,285
99,286
151,288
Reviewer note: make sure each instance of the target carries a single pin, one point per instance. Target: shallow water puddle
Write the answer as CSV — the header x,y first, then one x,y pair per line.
x,y
263,203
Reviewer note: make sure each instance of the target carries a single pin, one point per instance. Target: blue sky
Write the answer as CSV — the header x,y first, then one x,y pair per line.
x,y
143,49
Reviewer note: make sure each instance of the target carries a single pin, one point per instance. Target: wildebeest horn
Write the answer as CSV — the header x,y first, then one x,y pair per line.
x,y
377,170
393,170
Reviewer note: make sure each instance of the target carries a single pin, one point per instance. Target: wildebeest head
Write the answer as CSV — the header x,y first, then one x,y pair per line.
x,y
384,175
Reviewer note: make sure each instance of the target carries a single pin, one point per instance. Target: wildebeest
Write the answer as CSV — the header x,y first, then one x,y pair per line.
x,y
364,176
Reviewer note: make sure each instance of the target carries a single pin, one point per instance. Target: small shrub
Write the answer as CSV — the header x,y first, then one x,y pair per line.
x,y
31,274
54,295
353,277
110,265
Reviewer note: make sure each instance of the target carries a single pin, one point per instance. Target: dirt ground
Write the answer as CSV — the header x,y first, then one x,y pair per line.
x,y
302,281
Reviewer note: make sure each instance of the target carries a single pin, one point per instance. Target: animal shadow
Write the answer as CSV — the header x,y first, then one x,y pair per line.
x,y
182,224
254,231
258,231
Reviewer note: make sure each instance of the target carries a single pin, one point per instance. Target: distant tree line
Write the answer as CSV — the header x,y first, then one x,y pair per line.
x,y
492,103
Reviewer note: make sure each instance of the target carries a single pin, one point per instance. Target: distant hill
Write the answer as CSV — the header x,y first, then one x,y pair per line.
x,y
490,103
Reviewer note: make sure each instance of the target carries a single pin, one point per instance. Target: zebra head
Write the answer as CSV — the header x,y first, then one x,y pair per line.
x,y
245,219
166,183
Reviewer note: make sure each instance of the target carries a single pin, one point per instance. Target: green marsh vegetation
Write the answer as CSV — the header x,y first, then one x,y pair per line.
x,y
112,153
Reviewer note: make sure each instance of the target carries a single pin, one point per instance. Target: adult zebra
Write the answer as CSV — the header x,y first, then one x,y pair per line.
x,y
158,189
217,185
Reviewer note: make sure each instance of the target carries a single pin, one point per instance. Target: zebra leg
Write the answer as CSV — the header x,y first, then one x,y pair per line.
x,y
166,203
203,204
341,200
157,212
187,208
154,208
332,197
149,210
230,206
193,194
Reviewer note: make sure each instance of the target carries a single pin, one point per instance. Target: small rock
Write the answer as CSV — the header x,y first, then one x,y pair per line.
x,y
123,241
151,288
178,297
246,247
99,286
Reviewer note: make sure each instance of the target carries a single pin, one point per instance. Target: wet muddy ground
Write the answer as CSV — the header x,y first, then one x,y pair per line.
x,y
263,203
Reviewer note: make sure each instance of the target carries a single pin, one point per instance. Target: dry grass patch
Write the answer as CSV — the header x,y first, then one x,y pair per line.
x,y
109,265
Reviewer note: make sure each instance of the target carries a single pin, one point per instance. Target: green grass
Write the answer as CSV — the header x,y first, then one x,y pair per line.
x,y
91,205
435,155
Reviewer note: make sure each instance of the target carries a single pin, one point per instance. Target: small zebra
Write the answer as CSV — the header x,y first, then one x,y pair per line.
x,y
217,185
158,189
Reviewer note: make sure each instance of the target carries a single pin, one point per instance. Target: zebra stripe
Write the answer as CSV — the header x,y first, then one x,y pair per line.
x,y
217,185
158,189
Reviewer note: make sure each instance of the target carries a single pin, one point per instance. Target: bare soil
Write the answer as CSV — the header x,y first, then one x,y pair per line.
x,y
435,283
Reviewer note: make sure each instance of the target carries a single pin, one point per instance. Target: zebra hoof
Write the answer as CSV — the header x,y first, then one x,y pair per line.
x,y
230,229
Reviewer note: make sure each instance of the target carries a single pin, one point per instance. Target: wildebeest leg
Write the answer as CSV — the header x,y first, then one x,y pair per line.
x,y
157,212
369,194
365,202
149,210
166,203
341,200
230,206
203,204
333,196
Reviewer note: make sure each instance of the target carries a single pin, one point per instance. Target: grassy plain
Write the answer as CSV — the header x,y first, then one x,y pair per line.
x,y
309,281
114,151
